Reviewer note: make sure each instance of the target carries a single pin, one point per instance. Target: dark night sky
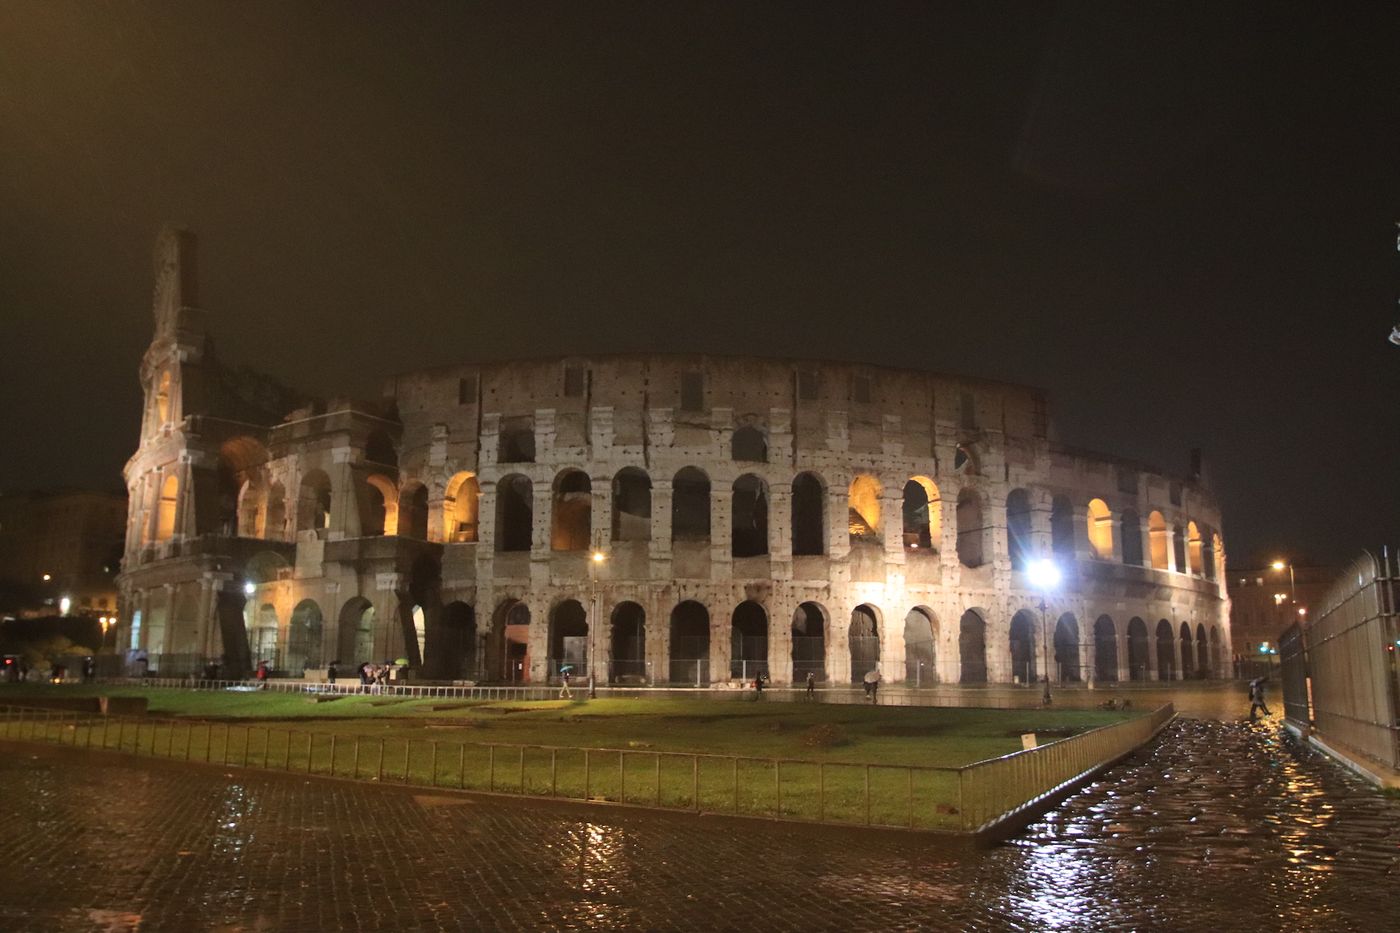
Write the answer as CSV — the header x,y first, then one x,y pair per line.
x,y
1177,218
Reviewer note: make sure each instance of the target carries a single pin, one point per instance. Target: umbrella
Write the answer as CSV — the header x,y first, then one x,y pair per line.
x,y
871,677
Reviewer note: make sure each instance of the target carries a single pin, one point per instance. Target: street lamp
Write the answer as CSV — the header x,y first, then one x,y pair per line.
x,y
1279,565
594,564
1044,576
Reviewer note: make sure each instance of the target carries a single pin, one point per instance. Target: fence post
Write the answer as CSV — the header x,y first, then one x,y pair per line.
x,y
310,748
658,779
334,736
554,772
587,776
267,745
778,782
622,777
821,791
432,766
867,795
909,773
461,766
695,781
379,773
491,780
522,769
736,783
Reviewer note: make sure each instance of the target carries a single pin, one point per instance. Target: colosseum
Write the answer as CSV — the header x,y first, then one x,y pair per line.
x,y
649,519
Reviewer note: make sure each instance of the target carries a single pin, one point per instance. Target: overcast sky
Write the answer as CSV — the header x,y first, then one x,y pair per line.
x,y
1178,218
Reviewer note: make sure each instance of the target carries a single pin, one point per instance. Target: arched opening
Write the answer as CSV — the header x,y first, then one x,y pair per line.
x,y
568,639
808,515
1166,651
1193,549
1218,554
864,509
1203,665
1179,547
413,512
750,517
314,502
919,648
240,484
690,505
1105,651
166,507
1208,553
972,531
631,505
922,514
1018,528
1217,662
1100,521
573,511
263,637
515,513
808,642
356,632
864,638
1022,641
382,513
379,449
748,444
690,643
460,509
420,635
1139,656
1067,650
508,648
460,641
628,640
252,507
275,524
163,400
1131,536
304,638
748,644
1188,653
972,648
1062,527
1157,531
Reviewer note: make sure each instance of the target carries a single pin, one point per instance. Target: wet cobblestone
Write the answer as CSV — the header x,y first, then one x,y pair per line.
x,y
1221,826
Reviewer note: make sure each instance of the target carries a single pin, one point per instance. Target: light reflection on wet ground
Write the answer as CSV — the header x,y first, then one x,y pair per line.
x,y
1223,826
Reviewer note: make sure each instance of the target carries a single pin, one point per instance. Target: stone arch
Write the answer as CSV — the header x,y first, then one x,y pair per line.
x,y
163,405
972,528
627,639
383,513
1021,639
749,517
1166,651
1139,651
515,513
1062,527
1066,647
631,505
972,648
920,646
1208,540
1203,659
1179,546
1018,528
748,655
413,512
809,626
461,508
462,649
508,644
314,502
1100,527
1194,549
863,641
1130,533
275,520
166,507
808,515
252,506
1105,650
1217,659
239,471
571,525
690,643
863,508
380,450
1157,531
749,445
356,631
264,636
1188,652
1218,555
690,505
304,633
923,518
568,638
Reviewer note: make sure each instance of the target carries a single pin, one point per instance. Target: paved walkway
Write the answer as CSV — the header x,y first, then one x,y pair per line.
x,y
1223,826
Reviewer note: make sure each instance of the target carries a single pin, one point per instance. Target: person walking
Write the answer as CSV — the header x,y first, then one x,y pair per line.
x,y
1256,699
811,685
564,674
872,684
758,685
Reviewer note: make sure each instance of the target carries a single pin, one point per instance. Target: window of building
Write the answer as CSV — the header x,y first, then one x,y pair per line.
x,y
466,391
861,390
573,381
968,414
809,385
692,391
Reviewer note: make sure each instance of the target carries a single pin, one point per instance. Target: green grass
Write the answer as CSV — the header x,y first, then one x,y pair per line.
x,y
667,752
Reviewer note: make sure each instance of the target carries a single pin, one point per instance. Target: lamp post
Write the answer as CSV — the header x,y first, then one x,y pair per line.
x,y
595,561
1044,576
1292,586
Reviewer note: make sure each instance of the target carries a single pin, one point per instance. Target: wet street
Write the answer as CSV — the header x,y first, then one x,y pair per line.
x,y
1220,826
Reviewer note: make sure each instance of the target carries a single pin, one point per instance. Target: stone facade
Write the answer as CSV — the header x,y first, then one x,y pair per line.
x,y
719,515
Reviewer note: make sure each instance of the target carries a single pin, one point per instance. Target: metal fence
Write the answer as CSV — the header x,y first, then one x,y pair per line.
x,y
968,799
1349,665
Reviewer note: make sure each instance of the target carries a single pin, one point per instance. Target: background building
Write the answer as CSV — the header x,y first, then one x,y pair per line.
x,y
1264,602
57,545
649,517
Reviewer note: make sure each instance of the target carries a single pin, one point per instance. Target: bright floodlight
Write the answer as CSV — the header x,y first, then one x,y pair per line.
x,y
599,557
249,588
1278,565
1043,574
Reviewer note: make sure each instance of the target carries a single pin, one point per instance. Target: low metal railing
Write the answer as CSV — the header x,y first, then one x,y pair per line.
x,y
967,799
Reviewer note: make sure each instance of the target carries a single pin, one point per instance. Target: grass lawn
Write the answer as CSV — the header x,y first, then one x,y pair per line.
x,y
861,767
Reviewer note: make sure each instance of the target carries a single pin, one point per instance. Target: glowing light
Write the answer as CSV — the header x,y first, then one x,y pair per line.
x,y
599,557
47,577
1278,565
1302,610
64,605
249,588
1043,574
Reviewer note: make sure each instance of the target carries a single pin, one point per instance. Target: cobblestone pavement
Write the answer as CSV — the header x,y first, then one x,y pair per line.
x,y
1222,826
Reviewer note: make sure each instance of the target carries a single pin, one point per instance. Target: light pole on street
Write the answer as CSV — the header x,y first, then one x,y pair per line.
x,y
595,563
1044,576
